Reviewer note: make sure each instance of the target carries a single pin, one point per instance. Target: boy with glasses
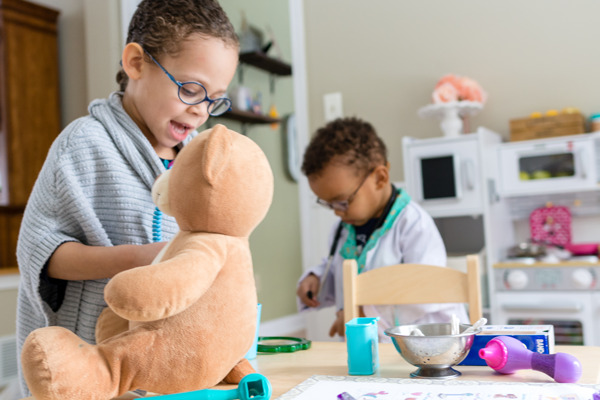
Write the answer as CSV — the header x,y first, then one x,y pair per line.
x,y
90,214
347,169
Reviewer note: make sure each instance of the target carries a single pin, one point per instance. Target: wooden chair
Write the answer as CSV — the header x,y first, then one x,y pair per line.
x,y
412,284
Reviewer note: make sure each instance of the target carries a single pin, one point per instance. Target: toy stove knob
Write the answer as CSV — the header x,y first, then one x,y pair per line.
x,y
516,279
583,278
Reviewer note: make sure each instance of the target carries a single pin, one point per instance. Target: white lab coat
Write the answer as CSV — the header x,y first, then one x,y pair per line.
x,y
413,238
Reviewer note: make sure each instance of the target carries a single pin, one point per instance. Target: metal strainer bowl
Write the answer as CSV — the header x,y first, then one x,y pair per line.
x,y
436,352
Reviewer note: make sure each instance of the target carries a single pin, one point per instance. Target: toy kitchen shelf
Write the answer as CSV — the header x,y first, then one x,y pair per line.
x,y
268,64
540,264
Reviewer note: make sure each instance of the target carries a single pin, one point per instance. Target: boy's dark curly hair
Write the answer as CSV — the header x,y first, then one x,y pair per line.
x,y
352,139
160,26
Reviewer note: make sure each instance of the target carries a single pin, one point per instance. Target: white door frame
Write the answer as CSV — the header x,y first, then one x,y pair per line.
x,y
315,222
296,8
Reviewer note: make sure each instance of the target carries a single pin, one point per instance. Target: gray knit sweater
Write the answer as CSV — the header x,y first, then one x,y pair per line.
x,y
94,188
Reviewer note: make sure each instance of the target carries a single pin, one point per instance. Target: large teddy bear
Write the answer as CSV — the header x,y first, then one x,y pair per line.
x,y
186,321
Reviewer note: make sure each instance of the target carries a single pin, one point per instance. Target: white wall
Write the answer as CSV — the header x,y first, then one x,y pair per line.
x,y
385,56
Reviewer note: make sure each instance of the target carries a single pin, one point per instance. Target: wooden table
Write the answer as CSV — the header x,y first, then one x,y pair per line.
x,y
286,370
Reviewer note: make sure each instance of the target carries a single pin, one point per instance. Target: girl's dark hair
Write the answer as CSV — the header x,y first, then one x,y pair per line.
x,y
351,141
160,26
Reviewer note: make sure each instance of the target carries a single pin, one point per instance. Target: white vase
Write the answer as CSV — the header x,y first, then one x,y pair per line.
x,y
451,123
450,115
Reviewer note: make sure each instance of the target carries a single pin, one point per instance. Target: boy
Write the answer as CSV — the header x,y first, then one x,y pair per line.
x,y
347,169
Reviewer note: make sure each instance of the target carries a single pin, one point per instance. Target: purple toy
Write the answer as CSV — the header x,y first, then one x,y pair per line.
x,y
506,355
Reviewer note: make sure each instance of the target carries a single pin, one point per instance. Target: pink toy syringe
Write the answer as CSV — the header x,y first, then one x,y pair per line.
x,y
506,355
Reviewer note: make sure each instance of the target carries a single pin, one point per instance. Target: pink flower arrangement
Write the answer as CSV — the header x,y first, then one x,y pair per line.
x,y
458,88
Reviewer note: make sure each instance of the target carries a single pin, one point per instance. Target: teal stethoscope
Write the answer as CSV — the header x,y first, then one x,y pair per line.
x,y
334,245
157,217
336,240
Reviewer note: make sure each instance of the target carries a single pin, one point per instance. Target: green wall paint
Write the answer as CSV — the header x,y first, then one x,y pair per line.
x,y
275,244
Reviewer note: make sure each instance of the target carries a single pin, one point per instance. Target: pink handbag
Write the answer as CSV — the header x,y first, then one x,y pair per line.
x,y
551,225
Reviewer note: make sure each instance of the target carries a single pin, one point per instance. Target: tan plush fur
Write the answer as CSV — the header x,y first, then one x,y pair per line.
x,y
185,322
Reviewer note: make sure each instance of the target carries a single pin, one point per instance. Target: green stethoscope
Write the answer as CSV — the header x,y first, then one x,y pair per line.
x,y
281,344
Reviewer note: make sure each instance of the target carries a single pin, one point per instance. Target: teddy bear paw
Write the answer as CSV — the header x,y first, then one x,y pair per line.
x,y
241,369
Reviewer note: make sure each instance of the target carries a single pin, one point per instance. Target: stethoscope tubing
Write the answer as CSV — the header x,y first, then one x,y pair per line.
x,y
334,245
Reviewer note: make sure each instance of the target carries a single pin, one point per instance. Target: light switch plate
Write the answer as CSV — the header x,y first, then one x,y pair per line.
x,y
333,106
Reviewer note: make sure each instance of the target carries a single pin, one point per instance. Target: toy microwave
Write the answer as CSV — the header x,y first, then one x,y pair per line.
x,y
564,163
447,175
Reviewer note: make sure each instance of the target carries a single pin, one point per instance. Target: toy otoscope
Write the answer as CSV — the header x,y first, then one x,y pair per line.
x,y
252,386
506,355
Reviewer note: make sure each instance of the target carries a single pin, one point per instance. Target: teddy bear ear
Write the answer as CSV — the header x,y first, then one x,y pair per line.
x,y
216,152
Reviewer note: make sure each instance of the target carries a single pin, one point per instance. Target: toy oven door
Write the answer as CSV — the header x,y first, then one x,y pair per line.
x,y
571,314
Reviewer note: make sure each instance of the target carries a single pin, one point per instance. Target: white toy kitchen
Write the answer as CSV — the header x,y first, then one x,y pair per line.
x,y
532,209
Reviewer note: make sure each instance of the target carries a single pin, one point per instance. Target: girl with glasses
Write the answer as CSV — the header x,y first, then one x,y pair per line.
x,y
348,170
91,214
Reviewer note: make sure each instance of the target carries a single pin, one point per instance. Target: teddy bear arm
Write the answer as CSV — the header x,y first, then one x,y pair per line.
x,y
161,290
109,324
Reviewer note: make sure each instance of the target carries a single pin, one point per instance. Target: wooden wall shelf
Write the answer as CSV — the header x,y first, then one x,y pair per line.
x,y
268,64
264,62
249,117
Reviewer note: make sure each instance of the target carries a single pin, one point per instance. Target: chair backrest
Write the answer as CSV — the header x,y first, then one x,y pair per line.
x,y
412,284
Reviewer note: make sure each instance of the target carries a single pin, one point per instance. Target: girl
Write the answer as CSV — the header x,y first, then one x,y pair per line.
x,y
90,214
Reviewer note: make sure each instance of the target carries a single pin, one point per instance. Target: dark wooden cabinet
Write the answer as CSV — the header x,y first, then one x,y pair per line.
x,y
29,109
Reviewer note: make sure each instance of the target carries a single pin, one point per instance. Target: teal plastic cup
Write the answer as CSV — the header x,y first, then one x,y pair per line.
x,y
362,343
251,354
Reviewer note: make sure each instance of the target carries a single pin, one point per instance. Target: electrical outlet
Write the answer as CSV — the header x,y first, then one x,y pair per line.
x,y
333,106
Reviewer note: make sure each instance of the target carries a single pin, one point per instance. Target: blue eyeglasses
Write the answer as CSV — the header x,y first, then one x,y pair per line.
x,y
343,205
193,93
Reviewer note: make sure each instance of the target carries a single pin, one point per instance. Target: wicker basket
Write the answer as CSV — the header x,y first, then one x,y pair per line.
x,y
544,127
